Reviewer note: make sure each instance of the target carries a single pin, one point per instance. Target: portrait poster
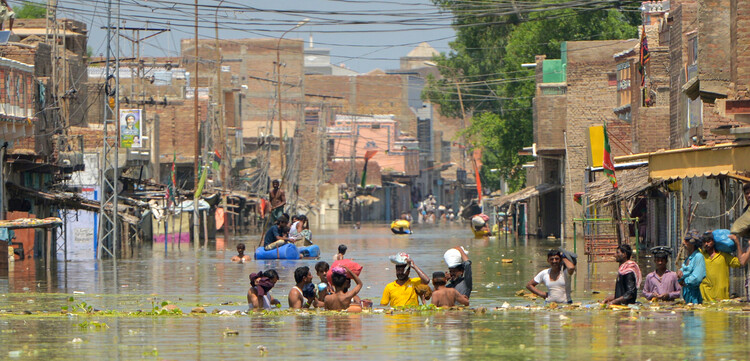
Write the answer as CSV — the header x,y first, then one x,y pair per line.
x,y
130,128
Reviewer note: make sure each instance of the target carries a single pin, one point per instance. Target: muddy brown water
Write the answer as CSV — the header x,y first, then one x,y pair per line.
x,y
188,278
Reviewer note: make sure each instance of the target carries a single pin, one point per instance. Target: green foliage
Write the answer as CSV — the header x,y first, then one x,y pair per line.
x,y
485,61
31,10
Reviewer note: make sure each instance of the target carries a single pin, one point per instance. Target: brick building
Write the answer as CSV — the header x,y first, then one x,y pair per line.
x,y
573,93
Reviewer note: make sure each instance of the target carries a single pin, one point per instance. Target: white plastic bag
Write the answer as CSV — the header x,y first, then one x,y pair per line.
x,y
453,258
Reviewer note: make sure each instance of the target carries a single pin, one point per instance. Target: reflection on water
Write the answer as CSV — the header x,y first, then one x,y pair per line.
x,y
188,278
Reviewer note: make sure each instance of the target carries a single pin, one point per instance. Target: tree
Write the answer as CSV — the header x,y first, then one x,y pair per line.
x,y
486,60
31,10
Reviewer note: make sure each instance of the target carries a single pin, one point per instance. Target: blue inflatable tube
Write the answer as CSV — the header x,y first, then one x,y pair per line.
x,y
310,251
287,251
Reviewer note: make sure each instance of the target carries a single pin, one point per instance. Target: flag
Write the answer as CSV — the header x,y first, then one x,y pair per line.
x,y
201,183
217,160
578,197
475,159
172,187
368,155
645,56
607,163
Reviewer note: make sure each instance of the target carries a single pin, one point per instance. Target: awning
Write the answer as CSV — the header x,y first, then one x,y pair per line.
x,y
631,182
721,159
523,194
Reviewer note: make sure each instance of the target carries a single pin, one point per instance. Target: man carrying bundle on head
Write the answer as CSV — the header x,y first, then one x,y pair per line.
x,y
459,270
403,291
661,284
717,248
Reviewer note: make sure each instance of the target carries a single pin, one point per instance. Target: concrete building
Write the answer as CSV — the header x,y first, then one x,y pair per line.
x,y
318,62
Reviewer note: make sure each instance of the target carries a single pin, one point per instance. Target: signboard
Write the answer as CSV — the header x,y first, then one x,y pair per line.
x,y
203,92
130,128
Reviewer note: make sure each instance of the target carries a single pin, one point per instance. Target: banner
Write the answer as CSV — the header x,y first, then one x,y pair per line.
x,y
130,128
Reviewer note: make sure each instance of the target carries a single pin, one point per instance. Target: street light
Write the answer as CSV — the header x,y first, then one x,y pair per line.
x,y
278,91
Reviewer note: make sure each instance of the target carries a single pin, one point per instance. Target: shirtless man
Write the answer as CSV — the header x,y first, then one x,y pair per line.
x,y
277,197
297,299
241,257
445,297
6,14
342,299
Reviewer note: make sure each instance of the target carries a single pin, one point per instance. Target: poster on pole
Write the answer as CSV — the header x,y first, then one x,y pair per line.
x,y
130,128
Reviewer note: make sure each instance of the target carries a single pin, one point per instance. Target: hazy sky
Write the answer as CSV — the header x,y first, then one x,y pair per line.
x,y
363,35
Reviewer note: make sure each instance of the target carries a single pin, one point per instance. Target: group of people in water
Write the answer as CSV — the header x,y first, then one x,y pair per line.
x,y
702,277
335,292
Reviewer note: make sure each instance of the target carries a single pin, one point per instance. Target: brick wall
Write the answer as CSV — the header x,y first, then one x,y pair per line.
x,y
377,93
676,54
740,50
651,130
714,45
590,100
177,122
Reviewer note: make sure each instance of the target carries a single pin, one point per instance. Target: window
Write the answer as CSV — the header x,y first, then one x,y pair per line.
x,y
612,79
2,86
694,112
8,89
623,83
692,49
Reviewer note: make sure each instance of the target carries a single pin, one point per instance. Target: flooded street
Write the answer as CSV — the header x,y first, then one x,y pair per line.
x,y
188,278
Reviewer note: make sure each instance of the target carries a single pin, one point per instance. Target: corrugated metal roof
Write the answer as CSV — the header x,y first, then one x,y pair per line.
x,y
525,193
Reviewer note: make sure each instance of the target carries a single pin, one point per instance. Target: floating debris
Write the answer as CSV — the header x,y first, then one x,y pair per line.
x,y
229,332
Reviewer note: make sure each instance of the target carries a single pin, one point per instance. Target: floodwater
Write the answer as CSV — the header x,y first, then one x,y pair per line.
x,y
188,278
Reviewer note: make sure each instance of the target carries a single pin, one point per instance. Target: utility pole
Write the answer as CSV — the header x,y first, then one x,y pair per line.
x,y
278,94
108,225
222,127
196,238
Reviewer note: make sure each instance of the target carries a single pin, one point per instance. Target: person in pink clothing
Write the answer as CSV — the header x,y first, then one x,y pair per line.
x,y
661,284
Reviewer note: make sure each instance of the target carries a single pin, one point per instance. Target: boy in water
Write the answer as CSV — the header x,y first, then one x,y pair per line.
x,y
298,298
342,299
342,251
241,257
445,297
321,269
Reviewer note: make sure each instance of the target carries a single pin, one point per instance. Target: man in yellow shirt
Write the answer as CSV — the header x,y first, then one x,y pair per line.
x,y
403,291
715,287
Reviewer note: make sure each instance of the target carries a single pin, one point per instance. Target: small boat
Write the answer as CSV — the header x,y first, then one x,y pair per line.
x,y
480,233
401,226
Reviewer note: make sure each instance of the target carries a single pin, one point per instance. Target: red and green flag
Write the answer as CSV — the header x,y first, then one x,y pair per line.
x,y
368,155
216,163
645,56
607,163
172,186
